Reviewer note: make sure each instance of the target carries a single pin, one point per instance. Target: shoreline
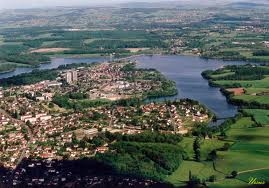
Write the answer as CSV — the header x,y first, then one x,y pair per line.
x,y
8,71
79,56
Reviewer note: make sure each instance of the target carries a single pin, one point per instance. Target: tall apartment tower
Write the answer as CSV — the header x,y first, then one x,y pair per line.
x,y
72,77
69,77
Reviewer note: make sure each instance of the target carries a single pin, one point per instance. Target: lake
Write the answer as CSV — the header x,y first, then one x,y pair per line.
x,y
184,70
55,62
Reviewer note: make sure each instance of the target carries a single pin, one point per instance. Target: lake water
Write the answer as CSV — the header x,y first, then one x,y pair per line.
x,y
184,70
55,62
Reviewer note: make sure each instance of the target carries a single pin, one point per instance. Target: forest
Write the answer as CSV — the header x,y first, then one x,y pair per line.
x,y
246,72
149,160
29,78
15,54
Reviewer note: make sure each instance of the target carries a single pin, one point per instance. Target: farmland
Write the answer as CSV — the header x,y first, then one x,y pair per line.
x,y
253,80
247,134
224,156
88,32
260,116
247,155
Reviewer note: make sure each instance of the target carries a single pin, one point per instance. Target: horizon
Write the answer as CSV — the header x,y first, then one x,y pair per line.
x,y
29,4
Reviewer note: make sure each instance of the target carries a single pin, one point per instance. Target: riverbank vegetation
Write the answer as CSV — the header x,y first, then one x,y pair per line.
x,y
29,78
39,75
246,85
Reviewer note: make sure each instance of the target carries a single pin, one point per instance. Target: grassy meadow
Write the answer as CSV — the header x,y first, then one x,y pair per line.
x,y
248,155
248,136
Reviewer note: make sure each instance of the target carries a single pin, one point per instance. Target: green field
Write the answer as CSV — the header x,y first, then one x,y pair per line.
x,y
254,80
260,116
244,122
248,155
253,91
261,175
207,145
203,170
250,152
245,83
250,98
222,75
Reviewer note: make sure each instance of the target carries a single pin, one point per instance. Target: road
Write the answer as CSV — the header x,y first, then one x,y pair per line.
x,y
256,169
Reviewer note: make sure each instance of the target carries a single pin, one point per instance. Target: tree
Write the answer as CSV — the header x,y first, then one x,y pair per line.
x,y
194,181
16,115
223,133
78,107
190,176
74,139
196,143
204,133
212,155
197,155
225,147
24,130
212,178
51,105
97,142
196,149
234,174
99,129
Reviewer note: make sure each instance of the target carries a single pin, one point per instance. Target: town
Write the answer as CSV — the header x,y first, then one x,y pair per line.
x,y
32,125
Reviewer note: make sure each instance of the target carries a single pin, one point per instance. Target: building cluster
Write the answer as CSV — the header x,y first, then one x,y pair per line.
x,y
177,46
1,93
23,108
266,44
12,140
251,28
108,81
29,128
153,116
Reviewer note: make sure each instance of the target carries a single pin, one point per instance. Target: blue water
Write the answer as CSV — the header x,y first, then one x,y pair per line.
x,y
55,62
186,72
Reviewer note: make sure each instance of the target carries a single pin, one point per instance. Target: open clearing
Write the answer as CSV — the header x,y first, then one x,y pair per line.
x,y
237,91
134,50
46,50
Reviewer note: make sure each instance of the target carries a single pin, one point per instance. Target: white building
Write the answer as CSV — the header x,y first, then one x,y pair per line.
x,y
71,76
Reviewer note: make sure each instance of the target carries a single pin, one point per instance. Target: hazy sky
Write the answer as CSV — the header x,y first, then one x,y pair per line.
x,y
52,3
14,4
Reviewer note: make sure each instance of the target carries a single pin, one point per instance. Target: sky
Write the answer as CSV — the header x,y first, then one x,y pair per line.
x,y
17,4
7,4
